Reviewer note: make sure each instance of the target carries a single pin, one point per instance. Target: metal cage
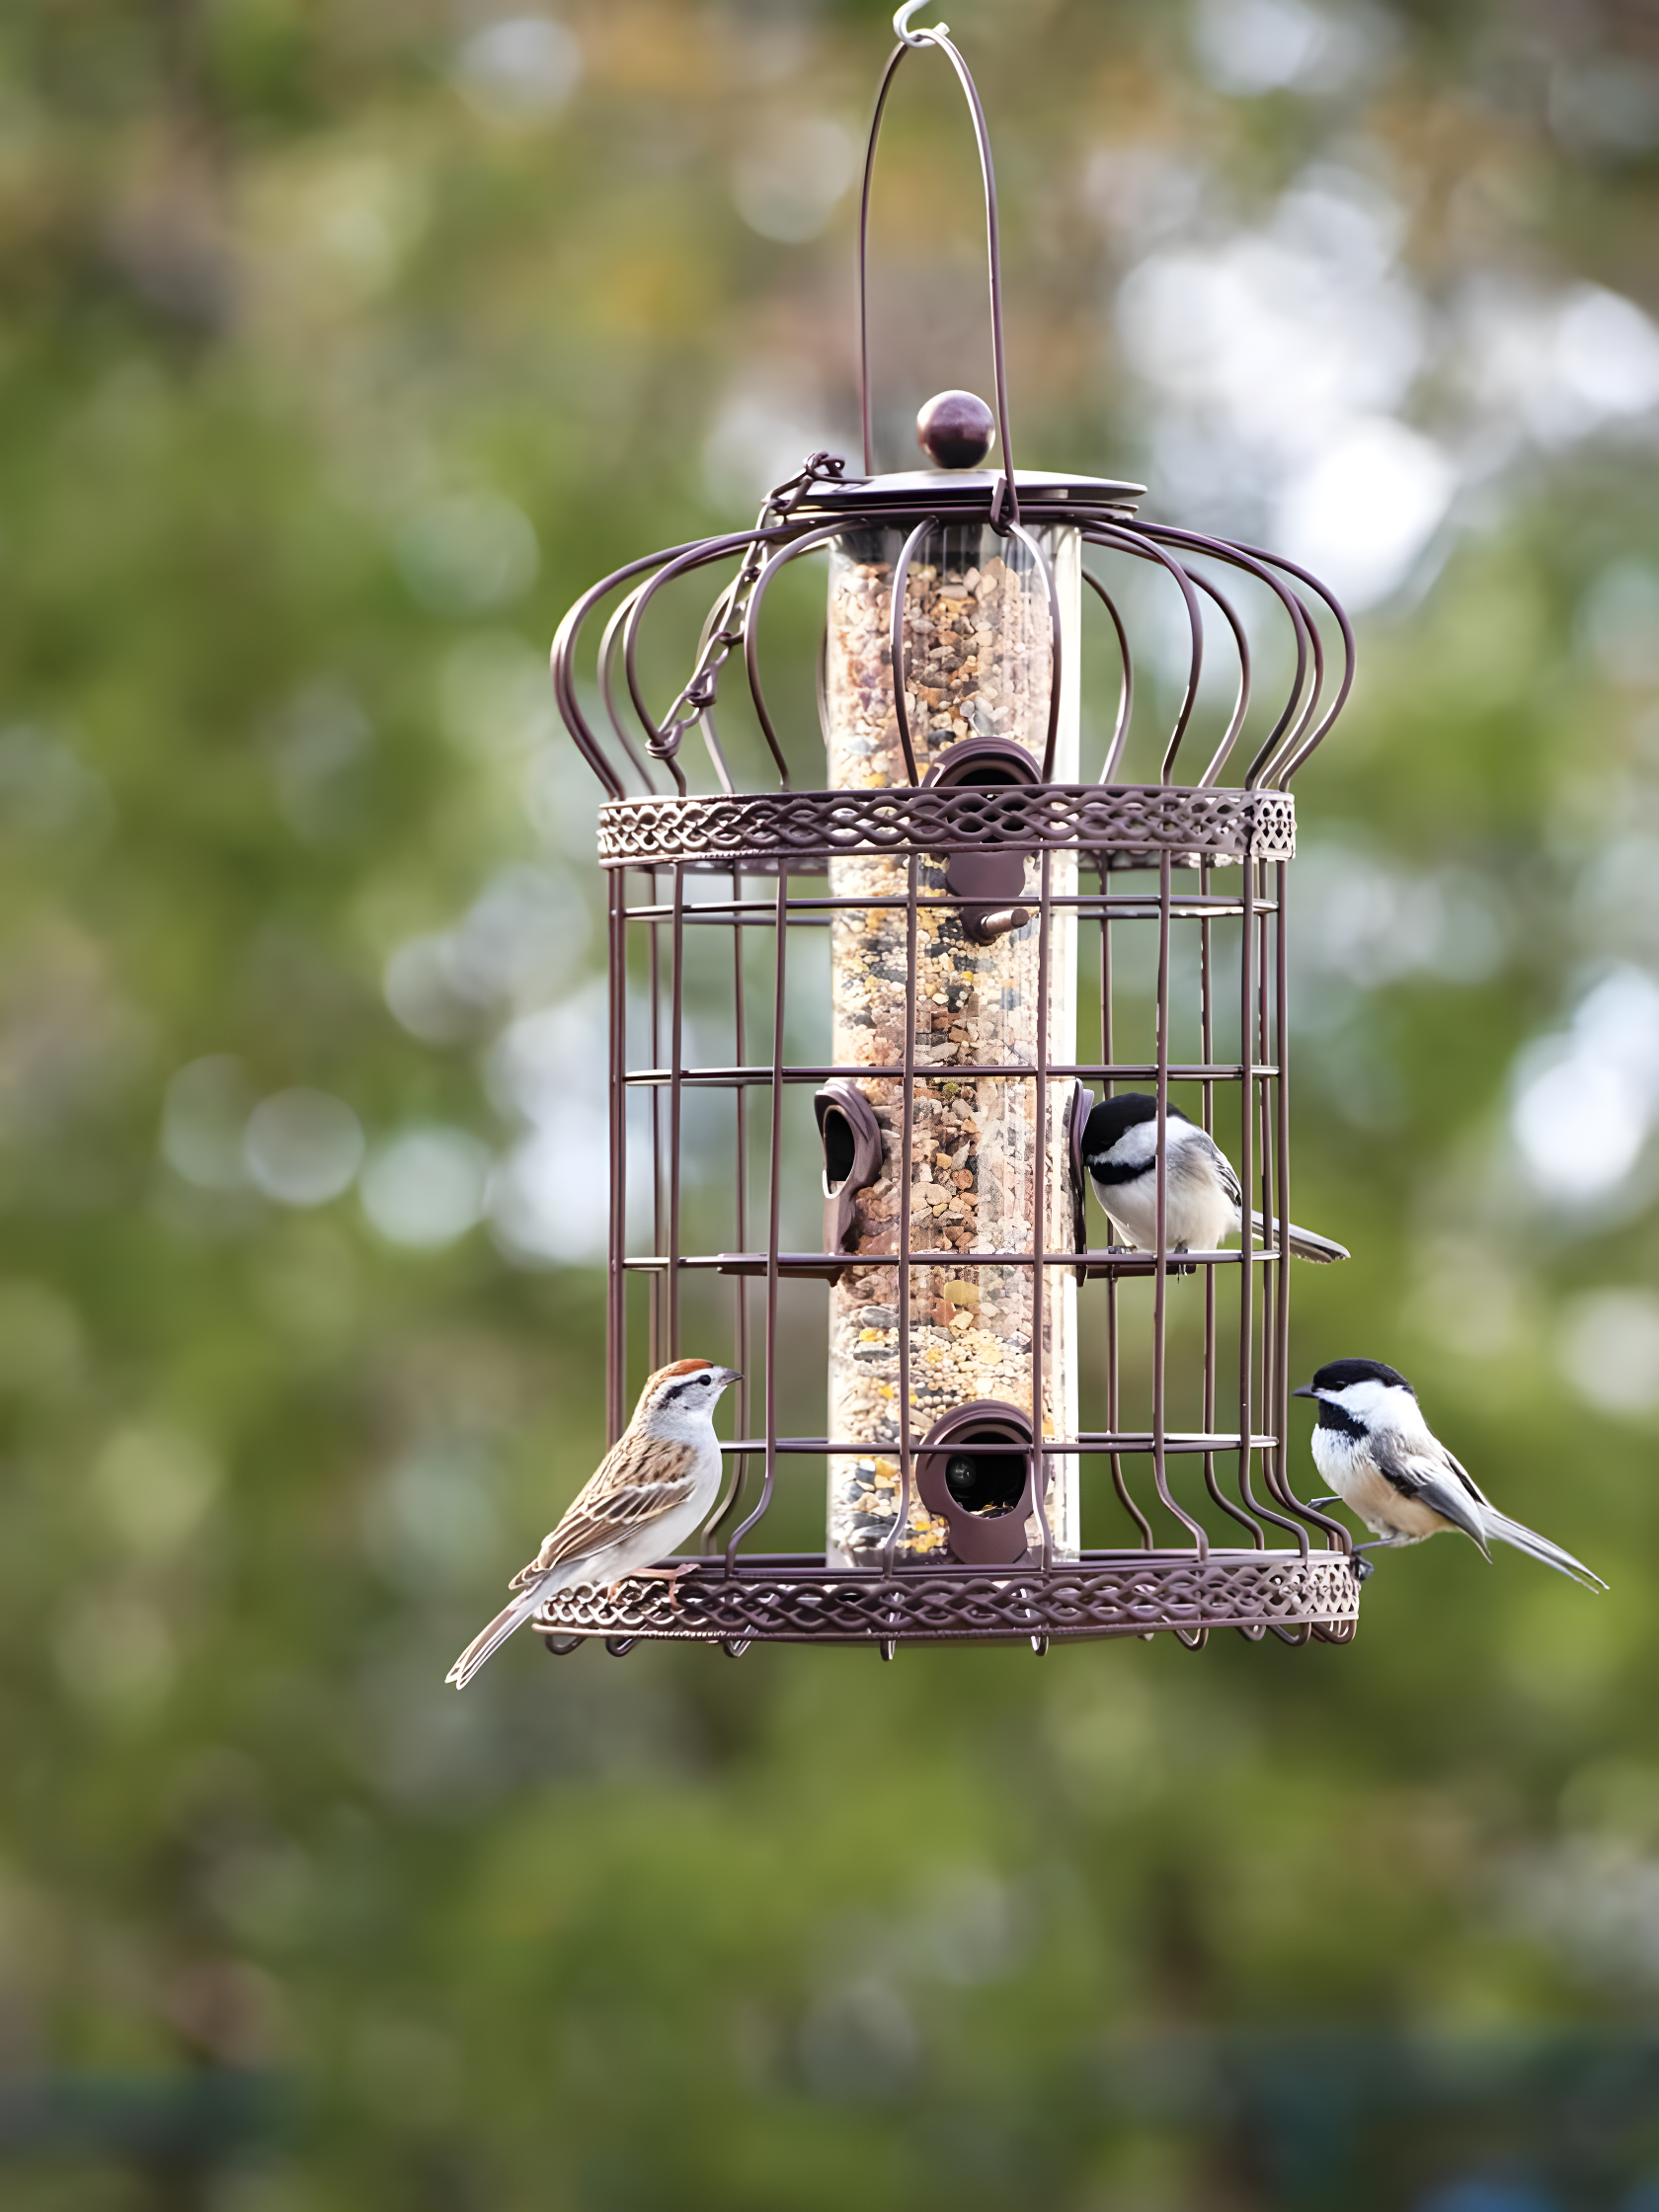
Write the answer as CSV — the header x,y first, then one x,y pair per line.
x,y
894,1134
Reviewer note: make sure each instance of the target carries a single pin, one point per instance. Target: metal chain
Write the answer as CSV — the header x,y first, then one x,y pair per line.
x,y
726,617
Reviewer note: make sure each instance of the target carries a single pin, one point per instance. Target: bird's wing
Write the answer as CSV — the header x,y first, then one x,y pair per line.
x,y
1437,1481
629,1491
1464,1477
1223,1166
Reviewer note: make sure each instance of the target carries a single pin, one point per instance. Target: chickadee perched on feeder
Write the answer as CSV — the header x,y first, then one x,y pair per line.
x,y
1374,1448
654,1485
1203,1203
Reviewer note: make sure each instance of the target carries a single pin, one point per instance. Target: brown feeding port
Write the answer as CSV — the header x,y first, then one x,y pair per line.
x,y
867,980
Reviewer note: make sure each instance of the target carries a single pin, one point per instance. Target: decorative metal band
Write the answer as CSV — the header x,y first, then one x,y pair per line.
x,y
1130,824
1123,1594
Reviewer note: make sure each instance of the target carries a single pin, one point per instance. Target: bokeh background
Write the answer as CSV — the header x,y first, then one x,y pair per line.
x,y
343,343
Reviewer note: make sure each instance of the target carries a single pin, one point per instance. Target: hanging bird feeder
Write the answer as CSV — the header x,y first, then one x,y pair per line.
x,y
891,1219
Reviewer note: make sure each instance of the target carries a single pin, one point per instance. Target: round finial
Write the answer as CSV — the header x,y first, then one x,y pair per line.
x,y
955,429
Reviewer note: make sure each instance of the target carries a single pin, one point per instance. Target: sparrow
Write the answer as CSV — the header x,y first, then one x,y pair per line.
x,y
657,1480
1374,1448
1203,1202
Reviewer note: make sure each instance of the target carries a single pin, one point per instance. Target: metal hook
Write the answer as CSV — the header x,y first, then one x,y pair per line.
x,y
902,26
1004,507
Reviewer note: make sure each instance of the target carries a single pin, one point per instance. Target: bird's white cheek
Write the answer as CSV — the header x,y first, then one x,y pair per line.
x,y
1333,1455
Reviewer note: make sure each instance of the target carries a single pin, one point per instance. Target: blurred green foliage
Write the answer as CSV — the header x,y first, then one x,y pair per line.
x,y
343,343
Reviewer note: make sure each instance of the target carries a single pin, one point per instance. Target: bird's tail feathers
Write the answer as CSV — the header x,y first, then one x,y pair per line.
x,y
489,1640
1538,1547
1306,1243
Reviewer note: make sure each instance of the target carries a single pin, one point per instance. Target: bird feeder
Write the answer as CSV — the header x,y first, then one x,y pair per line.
x,y
859,1179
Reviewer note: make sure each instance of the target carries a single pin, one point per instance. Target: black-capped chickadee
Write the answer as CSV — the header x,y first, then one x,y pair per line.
x,y
1385,1463
1203,1202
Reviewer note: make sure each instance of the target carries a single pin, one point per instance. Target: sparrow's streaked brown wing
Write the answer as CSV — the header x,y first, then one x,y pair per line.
x,y
614,1502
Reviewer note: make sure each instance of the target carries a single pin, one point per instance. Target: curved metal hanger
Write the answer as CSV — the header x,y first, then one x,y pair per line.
x,y
1005,505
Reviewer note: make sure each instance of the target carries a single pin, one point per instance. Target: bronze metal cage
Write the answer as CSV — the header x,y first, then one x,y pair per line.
x,y
899,1137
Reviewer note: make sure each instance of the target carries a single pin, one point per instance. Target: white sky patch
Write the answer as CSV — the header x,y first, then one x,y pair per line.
x,y
1282,364
1616,901
788,180
1142,193
1619,624
1363,922
1586,1100
1363,513
1607,353
1556,367
1609,1347
426,1187
1283,337
760,436
1607,103
302,1147
1596,1898
1279,359
1248,47
520,941
519,71
549,1196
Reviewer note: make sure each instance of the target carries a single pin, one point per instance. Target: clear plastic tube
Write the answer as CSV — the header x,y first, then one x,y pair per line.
x,y
977,628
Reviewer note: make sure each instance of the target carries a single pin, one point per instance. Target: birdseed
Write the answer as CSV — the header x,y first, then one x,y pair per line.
x,y
979,625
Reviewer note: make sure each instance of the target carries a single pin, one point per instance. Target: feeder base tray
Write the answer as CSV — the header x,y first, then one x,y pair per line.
x,y
782,1599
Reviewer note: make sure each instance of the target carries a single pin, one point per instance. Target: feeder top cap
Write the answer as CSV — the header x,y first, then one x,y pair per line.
x,y
969,487
957,429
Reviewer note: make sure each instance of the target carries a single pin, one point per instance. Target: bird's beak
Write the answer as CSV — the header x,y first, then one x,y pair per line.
x,y
731,1374
1305,1390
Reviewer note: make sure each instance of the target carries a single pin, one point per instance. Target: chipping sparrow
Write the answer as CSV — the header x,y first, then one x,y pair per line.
x,y
654,1485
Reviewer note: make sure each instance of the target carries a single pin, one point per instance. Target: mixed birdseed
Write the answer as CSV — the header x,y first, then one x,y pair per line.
x,y
980,665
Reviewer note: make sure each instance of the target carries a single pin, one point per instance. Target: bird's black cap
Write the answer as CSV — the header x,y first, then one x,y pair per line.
x,y
1337,1374
1114,1116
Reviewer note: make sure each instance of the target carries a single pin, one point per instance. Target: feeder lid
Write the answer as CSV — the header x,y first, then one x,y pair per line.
x,y
969,487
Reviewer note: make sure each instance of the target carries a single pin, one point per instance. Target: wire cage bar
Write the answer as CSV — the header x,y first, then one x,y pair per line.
x,y
858,1022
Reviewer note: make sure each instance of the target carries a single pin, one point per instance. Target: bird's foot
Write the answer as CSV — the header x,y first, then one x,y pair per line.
x,y
669,1575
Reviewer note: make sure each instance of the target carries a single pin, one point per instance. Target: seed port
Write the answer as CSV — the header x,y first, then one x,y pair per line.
x,y
853,1158
838,1149
1077,1121
973,1469
988,1483
990,880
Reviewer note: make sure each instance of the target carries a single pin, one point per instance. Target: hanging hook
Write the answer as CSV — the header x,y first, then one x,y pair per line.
x,y
902,26
1005,505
